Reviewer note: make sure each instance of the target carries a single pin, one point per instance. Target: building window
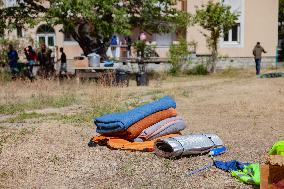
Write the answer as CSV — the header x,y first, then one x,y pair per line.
x,y
11,3
2,31
164,39
68,37
45,29
19,32
234,35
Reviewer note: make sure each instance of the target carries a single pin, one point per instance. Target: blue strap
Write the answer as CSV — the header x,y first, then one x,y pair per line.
x,y
199,170
202,168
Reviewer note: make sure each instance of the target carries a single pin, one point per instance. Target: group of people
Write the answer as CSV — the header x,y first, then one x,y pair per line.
x,y
114,43
43,58
127,42
46,62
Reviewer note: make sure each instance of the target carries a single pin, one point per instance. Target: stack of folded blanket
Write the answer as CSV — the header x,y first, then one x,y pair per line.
x,y
138,126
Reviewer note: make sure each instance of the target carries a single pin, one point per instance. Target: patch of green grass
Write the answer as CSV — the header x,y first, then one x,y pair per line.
x,y
198,70
167,163
234,72
55,159
185,93
6,174
132,94
3,140
132,103
38,102
157,96
108,106
99,108
26,131
77,119
156,91
5,76
11,108
23,117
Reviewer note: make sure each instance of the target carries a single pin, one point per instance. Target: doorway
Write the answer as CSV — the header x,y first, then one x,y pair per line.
x,y
46,35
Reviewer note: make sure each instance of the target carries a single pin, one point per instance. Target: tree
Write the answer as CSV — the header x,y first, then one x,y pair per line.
x,y
92,22
217,19
178,56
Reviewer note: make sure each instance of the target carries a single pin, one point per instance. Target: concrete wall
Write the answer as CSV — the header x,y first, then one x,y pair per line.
x,y
224,63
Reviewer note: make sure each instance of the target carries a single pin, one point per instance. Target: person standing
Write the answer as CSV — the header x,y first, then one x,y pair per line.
x,y
13,60
128,42
50,63
257,52
63,64
113,43
142,36
31,60
44,57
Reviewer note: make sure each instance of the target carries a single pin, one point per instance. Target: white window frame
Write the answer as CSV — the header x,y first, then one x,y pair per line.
x,y
46,39
230,36
11,3
241,31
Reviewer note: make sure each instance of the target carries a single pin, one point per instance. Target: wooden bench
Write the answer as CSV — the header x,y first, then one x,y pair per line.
x,y
105,74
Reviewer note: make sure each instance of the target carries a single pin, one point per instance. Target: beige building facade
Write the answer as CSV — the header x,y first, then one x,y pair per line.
x,y
52,37
258,21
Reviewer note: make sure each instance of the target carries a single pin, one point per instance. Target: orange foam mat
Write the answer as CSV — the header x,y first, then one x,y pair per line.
x,y
119,143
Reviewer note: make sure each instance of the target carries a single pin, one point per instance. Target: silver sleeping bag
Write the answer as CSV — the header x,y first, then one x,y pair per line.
x,y
186,145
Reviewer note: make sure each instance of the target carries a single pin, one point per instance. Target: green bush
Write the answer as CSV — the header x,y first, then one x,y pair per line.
x,y
5,76
144,50
200,69
178,56
140,47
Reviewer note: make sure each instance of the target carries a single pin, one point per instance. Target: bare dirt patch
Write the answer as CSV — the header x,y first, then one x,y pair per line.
x,y
246,112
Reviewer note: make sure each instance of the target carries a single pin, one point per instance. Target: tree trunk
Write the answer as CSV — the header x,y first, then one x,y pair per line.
x,y
91,44
214,60
214,51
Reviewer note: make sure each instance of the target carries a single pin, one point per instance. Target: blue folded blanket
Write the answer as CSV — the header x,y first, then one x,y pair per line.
x,y
121,121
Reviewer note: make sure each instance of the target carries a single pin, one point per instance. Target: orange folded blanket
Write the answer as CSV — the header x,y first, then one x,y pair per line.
x,y
134,130
118,143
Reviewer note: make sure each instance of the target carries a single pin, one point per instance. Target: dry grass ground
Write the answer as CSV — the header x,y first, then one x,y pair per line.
x,y
45,128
